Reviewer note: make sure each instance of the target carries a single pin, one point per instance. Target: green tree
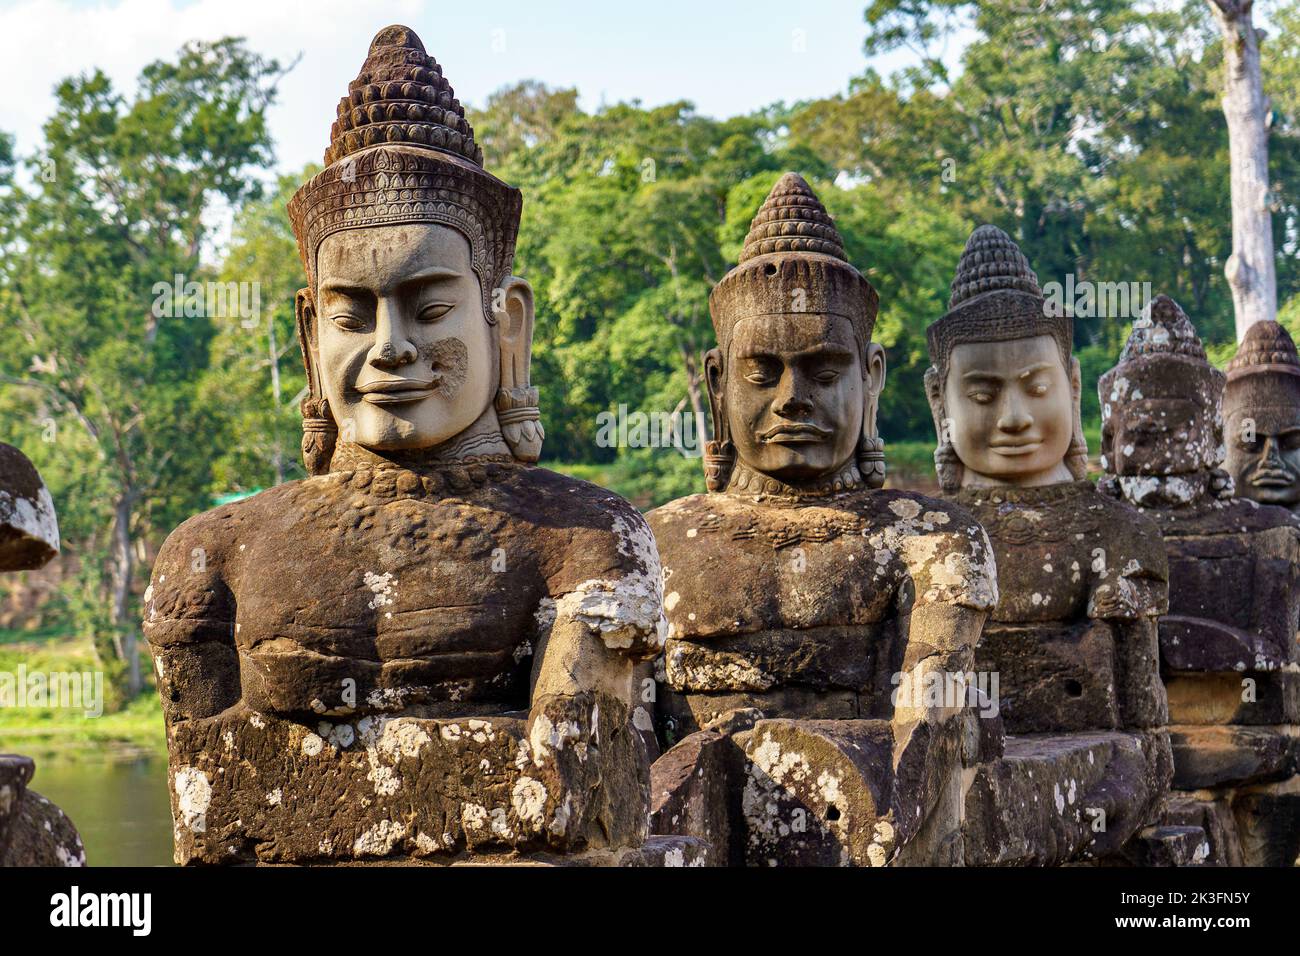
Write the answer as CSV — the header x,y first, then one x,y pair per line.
x,y
119,206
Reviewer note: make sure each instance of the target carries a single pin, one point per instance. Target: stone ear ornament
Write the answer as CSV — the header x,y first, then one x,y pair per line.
x,y
871,460
719,452
319,430
319,435
719,460
520,418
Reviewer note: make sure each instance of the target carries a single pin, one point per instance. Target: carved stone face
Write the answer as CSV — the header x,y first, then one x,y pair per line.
x,y
1161,435
1010,409
1264,454
405,354
794,394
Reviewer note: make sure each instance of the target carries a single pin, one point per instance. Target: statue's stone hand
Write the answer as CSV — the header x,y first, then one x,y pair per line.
x,y
589,767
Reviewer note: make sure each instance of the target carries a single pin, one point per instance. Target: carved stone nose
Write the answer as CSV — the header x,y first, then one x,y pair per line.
x,y
389,355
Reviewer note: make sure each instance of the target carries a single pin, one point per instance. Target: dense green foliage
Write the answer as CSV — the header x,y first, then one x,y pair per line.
x,y
1088,129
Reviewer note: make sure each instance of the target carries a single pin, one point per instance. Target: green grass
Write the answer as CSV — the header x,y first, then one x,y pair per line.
x,y
34,730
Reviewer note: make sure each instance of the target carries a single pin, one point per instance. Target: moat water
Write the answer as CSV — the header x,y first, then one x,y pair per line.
x,y
117,799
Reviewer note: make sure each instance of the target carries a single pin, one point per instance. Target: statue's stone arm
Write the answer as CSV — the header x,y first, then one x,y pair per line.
x,y
953,586
189,621
591,632
1130,594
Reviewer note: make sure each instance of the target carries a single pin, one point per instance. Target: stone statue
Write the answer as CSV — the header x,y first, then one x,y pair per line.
x,y
1228,645
1082,578
33,831
1261,412
426,647
808,609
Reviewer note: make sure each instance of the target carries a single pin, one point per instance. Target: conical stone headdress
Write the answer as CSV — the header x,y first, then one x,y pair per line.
x,y
1266,349
995,298
1265,372
402,152
1164,359
793,261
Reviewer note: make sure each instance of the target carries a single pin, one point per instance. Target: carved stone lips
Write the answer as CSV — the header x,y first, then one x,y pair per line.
x,y
393,391
795,433
1015,449
1272,479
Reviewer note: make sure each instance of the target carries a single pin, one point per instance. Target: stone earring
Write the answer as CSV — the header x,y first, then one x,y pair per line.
x,y
520,419
319,435
948,466
719,460
871,460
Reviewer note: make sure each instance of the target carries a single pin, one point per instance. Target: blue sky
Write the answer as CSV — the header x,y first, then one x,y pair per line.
x,y
726,56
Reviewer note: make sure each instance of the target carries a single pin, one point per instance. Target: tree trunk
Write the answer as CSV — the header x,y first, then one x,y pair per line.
x,y
694,380
277,458
1251,269
120,572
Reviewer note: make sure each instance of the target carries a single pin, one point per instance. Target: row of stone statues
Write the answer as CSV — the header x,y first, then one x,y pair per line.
x,y
433,650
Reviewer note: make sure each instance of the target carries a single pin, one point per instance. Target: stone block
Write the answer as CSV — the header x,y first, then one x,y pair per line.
x,y
1209,756
247,787
1057,798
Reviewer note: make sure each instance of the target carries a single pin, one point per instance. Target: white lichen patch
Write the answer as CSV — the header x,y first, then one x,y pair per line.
x,y
380,839
387,740
528,797
381,586
905,508
473,816
545,736
193,796
717,672
955,569
625,613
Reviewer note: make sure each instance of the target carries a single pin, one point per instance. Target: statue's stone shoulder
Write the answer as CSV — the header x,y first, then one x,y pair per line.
x,y
942,547
1226,516
582,530
197,560
1133,537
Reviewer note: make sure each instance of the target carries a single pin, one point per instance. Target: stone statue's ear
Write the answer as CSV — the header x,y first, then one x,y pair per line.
x,y
871,448
319,430
1076,459
934,395
874,375
714,383
947,465
719,453
517,400
305,313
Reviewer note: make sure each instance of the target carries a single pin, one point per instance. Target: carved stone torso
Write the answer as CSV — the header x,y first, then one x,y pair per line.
x,y
425,590
1071,562
766,595
1234,566
1066,552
